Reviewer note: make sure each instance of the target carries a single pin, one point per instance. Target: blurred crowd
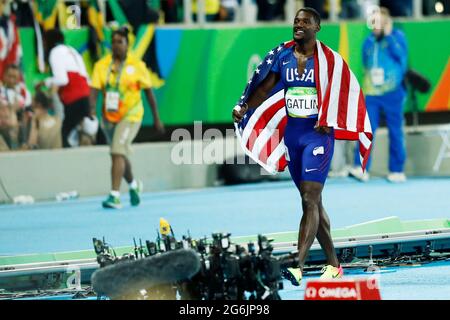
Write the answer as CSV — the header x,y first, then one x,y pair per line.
x,y
45,119
273,10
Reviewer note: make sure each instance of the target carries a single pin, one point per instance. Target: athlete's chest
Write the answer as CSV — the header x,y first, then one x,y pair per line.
x,y
290,74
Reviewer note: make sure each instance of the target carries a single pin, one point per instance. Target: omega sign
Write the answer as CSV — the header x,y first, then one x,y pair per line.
x,y
348,289
331,293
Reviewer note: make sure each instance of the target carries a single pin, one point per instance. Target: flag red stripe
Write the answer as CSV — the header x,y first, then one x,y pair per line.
x,y
326,100
360,120
282,163
343,96
274,141
262,122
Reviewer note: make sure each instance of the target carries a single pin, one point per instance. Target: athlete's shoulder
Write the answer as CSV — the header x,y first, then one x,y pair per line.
x,y
281,50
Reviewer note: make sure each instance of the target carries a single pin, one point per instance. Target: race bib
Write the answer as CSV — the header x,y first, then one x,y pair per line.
x,y
301,102
377,76
112,101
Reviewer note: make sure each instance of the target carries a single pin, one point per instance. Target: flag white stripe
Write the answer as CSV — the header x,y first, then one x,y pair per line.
x,y
333,105
364,140
367,125
268,132
323,70
258,112
353,98
276,155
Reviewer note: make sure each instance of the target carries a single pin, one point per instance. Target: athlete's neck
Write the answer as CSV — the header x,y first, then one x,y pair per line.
x,y
306,48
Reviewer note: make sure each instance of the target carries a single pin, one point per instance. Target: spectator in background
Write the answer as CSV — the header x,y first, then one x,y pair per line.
x,y
71,78
269,10
45,132
212,8
9,128
398,8
227,10
16,96
10,49
83,134
120,78
385,58
350,10
170,10
319,6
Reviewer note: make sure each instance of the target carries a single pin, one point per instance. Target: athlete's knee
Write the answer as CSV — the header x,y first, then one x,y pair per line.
x,y
310,199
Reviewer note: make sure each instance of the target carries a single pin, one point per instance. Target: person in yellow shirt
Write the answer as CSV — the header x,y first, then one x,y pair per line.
x,y
120,77
212,8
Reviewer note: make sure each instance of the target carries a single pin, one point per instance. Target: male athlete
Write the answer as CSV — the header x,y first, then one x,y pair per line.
x,y
309,139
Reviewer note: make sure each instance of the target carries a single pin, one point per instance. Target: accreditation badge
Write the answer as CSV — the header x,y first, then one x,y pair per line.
x,y
301,102
112,100
377,76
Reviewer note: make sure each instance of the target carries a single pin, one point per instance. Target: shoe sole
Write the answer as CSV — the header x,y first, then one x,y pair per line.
x,y
288,276
357,178
112,206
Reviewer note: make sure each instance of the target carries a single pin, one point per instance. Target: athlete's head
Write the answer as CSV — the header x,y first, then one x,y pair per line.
x,y
306,25
119,43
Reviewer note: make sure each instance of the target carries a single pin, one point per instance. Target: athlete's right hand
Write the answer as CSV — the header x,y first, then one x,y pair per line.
x,y
239,112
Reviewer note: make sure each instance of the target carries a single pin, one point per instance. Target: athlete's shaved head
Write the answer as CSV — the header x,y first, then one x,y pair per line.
x,y
312,11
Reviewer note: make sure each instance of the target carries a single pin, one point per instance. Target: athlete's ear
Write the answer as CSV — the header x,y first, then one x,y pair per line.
x,y
318,28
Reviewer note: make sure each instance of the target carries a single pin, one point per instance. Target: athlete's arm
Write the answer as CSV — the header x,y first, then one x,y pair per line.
x,y
258,96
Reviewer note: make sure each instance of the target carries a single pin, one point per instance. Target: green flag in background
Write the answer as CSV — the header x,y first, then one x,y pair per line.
x,y
45,12
142,20
97,23
117,12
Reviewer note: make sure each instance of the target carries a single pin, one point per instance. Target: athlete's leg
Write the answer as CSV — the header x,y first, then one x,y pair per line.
x,y
324,236
310,192
317,157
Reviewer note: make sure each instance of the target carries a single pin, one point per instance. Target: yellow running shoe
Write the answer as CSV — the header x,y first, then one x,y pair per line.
x,y
294,275
330,272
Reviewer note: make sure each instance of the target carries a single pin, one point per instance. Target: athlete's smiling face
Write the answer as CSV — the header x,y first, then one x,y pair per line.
x,y
305,26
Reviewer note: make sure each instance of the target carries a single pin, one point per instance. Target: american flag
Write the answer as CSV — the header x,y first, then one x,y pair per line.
x,y
340,102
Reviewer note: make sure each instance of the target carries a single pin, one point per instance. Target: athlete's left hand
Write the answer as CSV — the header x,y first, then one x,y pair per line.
x,y
323,129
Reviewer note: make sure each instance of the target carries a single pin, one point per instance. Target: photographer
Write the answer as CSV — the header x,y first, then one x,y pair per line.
x,y
385,56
